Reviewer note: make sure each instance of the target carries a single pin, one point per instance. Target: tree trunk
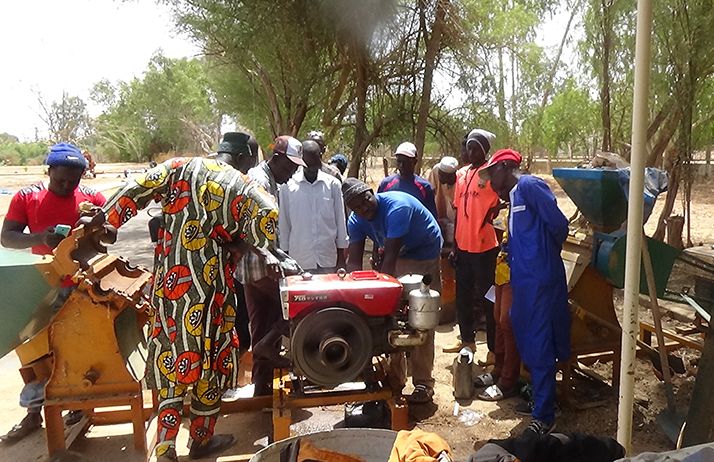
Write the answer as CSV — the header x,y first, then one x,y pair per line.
x,y
664,136
606,29
362,85
501,92
708,165
433,45
675,225
673,174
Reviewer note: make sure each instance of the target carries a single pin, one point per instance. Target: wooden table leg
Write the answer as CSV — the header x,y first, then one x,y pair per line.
x,y
399,410
282,417
137,420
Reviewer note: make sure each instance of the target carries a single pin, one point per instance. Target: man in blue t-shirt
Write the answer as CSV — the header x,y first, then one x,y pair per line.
x,y
406,180
411,239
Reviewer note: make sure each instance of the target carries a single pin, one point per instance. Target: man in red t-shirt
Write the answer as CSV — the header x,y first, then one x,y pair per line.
x,y
40,208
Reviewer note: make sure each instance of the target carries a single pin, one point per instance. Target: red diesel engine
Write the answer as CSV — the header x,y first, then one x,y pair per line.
x,y
338,322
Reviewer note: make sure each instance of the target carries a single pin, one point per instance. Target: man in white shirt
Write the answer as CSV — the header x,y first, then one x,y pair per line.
x,y
312,216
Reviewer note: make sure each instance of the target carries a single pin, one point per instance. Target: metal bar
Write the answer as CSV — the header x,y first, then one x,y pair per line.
x,y
332,399
634,222
697,307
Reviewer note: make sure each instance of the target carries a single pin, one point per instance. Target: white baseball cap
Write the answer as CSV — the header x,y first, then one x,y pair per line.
x,y
448,164
406,149
291,147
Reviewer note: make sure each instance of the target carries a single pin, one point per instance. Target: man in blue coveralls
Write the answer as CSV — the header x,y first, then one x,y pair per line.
x,y
411,238
539,314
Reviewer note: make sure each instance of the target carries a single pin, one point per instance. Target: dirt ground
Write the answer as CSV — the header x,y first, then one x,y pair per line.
x,y
468,427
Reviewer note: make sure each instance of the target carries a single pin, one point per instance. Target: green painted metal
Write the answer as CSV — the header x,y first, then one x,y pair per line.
x,y
597,194
26,300
610,261
131,338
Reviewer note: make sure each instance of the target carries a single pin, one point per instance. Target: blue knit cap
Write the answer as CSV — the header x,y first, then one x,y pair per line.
x,y
340,160
66,155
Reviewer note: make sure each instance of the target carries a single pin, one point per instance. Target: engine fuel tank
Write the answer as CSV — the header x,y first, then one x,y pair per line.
x,y
373,293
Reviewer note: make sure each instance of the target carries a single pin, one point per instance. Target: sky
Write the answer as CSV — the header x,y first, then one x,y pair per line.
x,y
52,46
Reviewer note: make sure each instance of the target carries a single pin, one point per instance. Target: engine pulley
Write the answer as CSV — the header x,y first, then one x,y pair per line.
x,y
331,346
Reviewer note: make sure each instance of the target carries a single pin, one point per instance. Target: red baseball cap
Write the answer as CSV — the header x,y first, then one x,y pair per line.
x,y
499,156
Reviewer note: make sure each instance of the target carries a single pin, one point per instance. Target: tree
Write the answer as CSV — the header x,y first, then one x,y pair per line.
x,y
171,108
569,120
66,119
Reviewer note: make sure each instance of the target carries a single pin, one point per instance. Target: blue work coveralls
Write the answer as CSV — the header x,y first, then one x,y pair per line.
x,y
539,314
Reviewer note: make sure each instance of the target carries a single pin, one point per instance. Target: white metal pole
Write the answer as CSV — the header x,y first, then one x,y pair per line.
x,y
634,222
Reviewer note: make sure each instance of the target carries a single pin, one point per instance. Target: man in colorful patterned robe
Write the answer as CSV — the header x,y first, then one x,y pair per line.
x,y
208,208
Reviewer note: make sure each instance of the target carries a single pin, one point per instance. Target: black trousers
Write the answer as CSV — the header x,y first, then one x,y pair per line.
x,y
475,274
242,319
262,299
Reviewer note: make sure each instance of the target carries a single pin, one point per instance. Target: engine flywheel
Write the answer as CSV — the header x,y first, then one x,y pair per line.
x,y
331,346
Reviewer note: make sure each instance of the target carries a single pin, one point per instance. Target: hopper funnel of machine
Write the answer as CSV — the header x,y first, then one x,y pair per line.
x,y
600,197
597,194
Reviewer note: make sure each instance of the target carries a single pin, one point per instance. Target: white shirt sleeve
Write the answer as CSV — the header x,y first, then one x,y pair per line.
x,y
342,240
284,219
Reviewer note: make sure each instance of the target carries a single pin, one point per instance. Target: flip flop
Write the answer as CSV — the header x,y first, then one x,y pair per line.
x,y
494,393
168,456
484,380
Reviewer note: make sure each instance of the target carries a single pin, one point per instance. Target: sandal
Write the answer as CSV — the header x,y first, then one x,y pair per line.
x,y
490,360
421,395
484,380
31,422
168,456
494,393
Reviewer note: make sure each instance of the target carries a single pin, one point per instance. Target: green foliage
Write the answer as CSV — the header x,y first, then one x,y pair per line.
x,y
569,120
171,108
13,152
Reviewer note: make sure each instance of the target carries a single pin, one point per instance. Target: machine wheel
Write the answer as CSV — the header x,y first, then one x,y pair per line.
x,y
331,346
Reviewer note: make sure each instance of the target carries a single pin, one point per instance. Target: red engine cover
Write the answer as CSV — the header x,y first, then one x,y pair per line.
x,y
375,294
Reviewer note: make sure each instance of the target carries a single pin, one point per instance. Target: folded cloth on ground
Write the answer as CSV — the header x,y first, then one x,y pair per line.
x,y
419,446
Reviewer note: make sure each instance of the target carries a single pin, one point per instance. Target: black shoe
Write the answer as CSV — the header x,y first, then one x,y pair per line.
x,y
31,422
539,428
214,445
524,408
73,417
262,389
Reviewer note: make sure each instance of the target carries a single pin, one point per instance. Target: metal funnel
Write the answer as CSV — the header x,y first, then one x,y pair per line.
x,y
597,194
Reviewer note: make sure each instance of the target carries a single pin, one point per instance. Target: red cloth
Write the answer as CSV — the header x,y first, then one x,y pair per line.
x,y
38,208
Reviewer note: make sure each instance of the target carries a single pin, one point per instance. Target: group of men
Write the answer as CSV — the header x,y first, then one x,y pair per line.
x,y
226,216
527,316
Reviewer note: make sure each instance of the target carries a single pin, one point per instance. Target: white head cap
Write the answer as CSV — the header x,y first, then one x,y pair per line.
x,y
448,164
483,138
406,149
